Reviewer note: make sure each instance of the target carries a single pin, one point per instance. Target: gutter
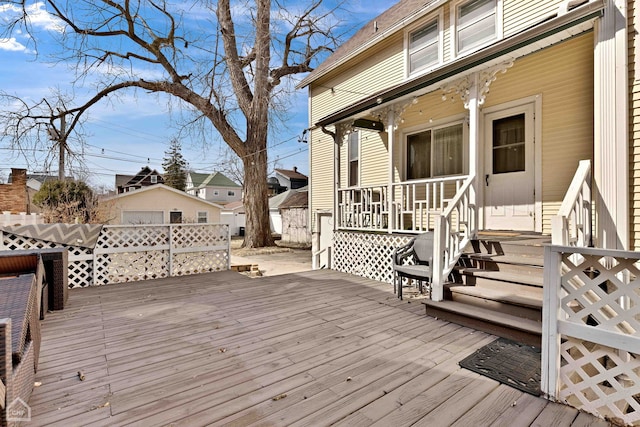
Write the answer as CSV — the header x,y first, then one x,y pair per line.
x,y
580,14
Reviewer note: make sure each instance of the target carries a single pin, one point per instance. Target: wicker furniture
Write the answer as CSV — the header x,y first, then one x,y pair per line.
x,y
56,261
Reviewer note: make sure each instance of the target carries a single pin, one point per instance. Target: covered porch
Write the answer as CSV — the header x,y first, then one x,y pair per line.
x,y
314,348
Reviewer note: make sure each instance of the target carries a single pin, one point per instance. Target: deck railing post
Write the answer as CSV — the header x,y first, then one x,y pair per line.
x,y
437,281
550,314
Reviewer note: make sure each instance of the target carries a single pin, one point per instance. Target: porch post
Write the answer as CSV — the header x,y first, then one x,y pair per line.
x,y
611,130
337,137
391,117
473,105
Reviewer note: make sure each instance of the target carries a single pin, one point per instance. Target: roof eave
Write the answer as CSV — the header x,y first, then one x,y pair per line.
x,y
591,10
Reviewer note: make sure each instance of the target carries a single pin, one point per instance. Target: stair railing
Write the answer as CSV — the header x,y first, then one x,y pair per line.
x,y
572,226
454,228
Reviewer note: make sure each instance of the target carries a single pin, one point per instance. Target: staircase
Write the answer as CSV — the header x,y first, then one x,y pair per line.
x,y
496,287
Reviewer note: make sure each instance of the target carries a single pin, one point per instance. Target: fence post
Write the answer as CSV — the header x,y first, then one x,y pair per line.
x,y
171,250
228,247
550,314
437,291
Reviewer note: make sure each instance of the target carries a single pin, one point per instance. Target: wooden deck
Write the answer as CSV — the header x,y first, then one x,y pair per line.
x,y
314,348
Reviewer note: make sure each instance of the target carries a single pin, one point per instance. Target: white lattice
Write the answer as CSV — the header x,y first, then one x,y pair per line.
x,y
600,379
595,301
366,254
196,235
131,266
199,262
113,237
80,270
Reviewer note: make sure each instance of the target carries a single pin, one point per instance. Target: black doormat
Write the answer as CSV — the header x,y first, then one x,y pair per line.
x,y
509,362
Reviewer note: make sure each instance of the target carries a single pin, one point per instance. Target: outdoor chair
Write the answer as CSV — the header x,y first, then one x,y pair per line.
x,y
413,261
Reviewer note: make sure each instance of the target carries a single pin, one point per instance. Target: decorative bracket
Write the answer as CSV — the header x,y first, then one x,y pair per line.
x,y
463,85
398,110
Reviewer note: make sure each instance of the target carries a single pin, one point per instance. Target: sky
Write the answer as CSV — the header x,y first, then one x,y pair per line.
x,y
133,131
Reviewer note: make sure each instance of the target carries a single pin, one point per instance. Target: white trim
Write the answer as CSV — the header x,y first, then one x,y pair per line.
x,y
158,187
438,17
433,125
536,100
453,34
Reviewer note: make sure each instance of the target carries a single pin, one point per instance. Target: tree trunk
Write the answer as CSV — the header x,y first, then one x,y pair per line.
x,y
256,200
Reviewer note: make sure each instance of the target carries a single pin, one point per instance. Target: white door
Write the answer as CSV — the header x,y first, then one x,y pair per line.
x,y
509,177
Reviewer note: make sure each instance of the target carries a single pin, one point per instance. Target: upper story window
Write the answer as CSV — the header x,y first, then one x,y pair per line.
x,y
354,158
424,47
435,152
154,179
231,193
476,23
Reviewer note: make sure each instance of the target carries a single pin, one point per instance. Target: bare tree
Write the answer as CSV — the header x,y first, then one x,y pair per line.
x,y
229,74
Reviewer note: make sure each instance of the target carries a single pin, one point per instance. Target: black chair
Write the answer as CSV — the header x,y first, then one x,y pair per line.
x,y
413,261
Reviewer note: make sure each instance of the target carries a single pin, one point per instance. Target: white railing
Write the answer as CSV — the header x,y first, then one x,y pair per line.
x,y
363,208
453,230
417,203
591,331
317,258
573,224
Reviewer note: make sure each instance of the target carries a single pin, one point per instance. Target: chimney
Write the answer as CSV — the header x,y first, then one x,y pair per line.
x,y
295,169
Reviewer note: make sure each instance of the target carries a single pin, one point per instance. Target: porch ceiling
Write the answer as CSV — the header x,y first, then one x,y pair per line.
x,y
553,31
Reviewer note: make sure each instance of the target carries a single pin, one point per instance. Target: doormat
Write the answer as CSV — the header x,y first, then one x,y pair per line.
x,y
509,362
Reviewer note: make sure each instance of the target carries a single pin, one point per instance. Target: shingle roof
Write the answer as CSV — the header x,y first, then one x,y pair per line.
x,y
215,179
385,25
297,200
291,174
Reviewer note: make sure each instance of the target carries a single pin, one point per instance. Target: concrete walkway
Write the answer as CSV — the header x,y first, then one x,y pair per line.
x,y
274,261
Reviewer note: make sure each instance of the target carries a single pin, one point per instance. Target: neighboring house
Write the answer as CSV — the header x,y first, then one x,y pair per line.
x,y
275,218
294,212
34,182
14,196
233,215
160,204
274,187
291,179
144,178
214,187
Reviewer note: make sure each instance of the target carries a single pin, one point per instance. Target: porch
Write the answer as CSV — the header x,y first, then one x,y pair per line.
x,y
313,348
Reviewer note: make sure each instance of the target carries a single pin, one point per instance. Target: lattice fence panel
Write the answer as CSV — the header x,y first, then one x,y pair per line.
x,y
600,380
366,254
80,259
199,235
598,298
131,266
114,237
199,262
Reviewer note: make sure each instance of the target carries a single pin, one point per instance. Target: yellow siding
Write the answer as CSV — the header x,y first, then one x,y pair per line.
x,y
634,132
519,15
321,173
380,68
567,110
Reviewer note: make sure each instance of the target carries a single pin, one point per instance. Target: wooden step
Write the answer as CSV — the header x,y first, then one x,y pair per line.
x,y
480,277
508,326
525,302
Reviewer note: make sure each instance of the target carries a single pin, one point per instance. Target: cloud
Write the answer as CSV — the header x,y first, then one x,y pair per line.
x,y
12,45
37,16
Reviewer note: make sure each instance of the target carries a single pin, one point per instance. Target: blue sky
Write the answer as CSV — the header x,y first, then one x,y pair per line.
x,y
134,130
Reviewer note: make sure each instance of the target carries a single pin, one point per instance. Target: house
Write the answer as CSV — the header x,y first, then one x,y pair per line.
x,y
214,187
294,213
472,118
34,182
14,195
144,178
233,215
275,218
273,187
291,179
159,204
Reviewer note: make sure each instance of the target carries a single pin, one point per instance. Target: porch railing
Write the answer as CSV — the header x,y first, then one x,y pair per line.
x,y
572,226
416,204
590,338
363,208
453,230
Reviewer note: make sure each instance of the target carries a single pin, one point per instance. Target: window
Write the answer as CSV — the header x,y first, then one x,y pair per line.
x,y
231,193
354,158
476,23
216,193
202,217
424,47
509,144
175,217
154,179
435,152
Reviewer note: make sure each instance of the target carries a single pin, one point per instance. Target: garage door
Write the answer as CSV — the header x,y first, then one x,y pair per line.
x,y
142,217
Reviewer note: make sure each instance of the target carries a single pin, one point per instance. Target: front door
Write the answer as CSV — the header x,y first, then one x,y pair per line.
x,y
509,178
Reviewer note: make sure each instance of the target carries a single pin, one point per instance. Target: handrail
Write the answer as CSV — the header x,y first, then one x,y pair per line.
x,y
572,226
454,228
316,258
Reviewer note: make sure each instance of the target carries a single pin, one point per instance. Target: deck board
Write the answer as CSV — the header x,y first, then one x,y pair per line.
x,y
305,349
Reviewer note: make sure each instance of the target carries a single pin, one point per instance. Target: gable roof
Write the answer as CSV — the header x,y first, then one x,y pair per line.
x,y
298,200
215,179
163,187
379,28
291,174
233,206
